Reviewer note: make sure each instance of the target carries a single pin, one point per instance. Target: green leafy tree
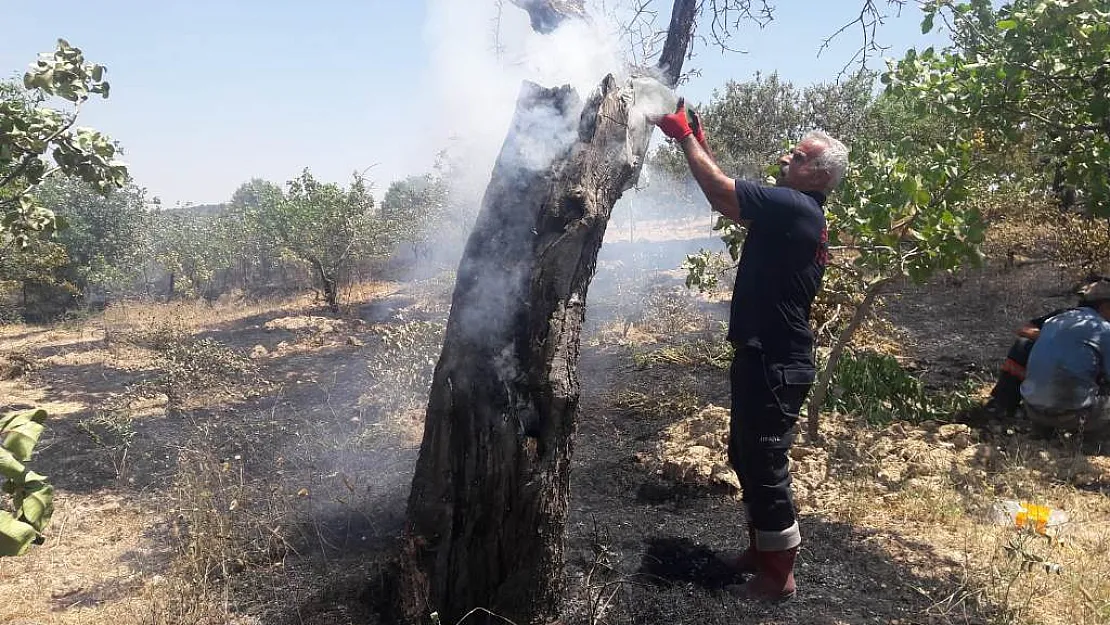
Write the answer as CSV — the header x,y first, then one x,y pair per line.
x,y
1031,73
106,235
38,142
33,285
191,247
902,212
258,260
324,225
416,206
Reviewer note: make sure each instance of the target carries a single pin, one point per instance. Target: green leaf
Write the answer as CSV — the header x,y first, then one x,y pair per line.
x,y
910,185
15,536
927,23
10,467
1007,24
21,431
38,505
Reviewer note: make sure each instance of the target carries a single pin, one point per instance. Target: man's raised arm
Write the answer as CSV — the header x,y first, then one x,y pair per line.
x,y
718,188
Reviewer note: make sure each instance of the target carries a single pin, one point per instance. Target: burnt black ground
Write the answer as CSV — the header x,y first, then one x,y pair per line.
x,y
662,538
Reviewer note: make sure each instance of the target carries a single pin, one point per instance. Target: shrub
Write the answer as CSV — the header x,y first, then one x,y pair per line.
x,y
878,388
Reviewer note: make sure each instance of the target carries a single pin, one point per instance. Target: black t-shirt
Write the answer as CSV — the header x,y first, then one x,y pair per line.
x,y
781,266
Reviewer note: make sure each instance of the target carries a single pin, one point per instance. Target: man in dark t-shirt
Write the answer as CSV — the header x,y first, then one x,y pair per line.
x,y
781,266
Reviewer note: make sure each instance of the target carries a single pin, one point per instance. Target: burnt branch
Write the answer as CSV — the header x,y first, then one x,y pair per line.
x,y
547,15
677,45
728,15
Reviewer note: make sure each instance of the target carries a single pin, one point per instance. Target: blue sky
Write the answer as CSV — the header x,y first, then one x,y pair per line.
x,y
208,94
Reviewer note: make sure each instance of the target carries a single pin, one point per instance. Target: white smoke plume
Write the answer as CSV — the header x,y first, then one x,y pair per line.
x,y
480,54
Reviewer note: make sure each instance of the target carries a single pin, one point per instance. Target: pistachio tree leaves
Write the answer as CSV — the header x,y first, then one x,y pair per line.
x,y
902,212
1033,72
324,225
38,141
32,498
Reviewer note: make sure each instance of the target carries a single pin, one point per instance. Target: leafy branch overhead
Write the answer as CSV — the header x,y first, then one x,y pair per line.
x,y
38,141
1032,72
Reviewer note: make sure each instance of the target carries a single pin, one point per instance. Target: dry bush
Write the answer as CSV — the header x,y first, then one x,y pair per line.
x,y
224,523
16,364
401,370
187,366
666,402
673,311
1032,229
184,370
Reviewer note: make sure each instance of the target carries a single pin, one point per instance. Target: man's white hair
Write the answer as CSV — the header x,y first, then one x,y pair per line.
x,y
833,158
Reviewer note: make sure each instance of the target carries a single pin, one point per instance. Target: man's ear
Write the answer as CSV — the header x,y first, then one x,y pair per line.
x,y
822,179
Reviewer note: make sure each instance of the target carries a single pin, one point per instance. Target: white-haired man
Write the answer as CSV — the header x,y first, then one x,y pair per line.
x,y
781,267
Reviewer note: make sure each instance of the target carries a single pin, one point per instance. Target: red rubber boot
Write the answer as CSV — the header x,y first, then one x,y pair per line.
x,y
774,581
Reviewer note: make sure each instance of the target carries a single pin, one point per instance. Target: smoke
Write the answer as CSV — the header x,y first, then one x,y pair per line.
x,y
479,56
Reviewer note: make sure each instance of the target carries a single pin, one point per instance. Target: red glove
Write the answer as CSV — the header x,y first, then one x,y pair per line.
x,y
675,125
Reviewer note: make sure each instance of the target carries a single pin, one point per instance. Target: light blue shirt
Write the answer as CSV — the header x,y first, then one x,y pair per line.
x,y
1070,355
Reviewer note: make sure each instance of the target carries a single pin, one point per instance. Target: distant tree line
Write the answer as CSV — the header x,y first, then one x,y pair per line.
x,y
266,240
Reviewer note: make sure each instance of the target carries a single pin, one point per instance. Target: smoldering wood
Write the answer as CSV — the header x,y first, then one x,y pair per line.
x,y
547,15
488,507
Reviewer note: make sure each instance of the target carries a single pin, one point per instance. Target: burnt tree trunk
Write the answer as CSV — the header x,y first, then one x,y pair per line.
x,y
488,507
330,286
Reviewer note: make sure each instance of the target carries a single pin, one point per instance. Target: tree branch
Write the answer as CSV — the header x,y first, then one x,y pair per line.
x,y
678,40
869,19
547,15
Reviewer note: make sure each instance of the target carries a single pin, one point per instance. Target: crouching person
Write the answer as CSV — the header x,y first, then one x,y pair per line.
x,y
1066,379
1005,397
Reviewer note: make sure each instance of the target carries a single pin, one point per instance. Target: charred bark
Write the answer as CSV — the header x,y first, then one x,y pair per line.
x,y
547,15
488,507
677,46
329,285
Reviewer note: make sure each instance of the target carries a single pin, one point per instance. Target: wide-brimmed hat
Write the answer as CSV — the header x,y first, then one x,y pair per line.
x,y
1098,291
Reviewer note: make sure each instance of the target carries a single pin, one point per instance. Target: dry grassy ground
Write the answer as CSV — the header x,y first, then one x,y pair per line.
x,y
248,463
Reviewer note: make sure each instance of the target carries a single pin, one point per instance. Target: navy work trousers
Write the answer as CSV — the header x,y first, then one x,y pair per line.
x,y
766,399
